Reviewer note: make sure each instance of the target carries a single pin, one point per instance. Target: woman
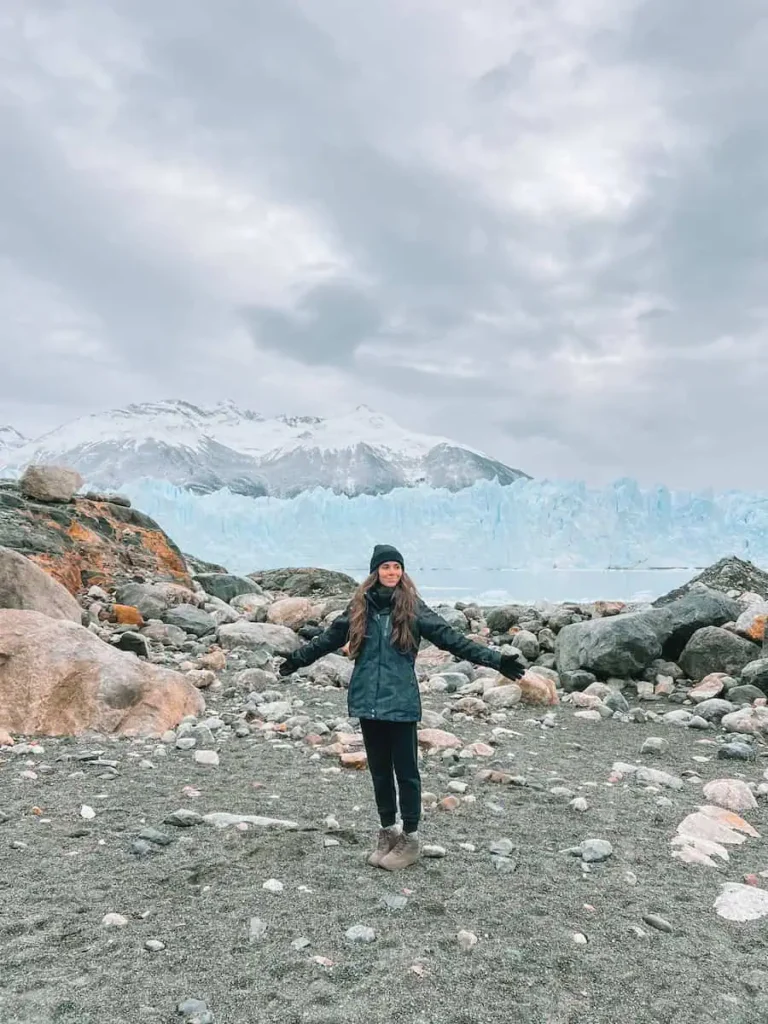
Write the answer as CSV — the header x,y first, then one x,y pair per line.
x,y
381,629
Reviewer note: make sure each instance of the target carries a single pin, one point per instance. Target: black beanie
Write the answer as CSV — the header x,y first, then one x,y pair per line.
x,y
385,553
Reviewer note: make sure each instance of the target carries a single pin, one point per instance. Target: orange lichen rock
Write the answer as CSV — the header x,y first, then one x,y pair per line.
x,y
86,542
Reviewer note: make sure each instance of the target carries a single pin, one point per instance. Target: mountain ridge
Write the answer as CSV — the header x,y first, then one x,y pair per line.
x,y
206,448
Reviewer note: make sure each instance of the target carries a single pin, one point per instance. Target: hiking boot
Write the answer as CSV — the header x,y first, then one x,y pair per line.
x,y
386,843
405,852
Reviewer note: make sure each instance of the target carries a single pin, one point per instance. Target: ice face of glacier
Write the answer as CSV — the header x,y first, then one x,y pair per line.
x,y
10,438
528,524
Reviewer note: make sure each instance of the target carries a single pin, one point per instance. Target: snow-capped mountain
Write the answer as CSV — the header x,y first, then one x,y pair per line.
x,y
10,438
205,449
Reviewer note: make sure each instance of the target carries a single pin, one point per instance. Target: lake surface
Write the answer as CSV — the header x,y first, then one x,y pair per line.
x,y
488,586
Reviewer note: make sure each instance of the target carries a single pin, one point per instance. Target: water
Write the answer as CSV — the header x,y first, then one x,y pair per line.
x,y
500,586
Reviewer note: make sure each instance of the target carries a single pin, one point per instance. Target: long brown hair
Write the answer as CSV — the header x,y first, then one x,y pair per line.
x,y
404,601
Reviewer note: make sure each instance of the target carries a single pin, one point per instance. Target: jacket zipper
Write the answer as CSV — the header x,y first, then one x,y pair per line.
x,y
378,669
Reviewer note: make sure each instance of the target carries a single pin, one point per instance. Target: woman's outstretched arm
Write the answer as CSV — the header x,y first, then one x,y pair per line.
x,y
435,629
331,639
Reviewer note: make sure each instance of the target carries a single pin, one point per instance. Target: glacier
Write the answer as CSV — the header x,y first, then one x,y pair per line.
x,y
533,525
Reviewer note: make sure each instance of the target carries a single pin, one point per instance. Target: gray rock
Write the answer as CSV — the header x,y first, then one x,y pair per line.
x,y
500,619
150,600
713,709
393,901
621,645
737,751
184,818
593,851
616,701
547,639
659,923
624,645
744,694
360,933
661,667
254,679
276,639
227,586
697,722
455,618
153,835
133,643
679,717
756,674
191,619
713,649
576,681
527,644
160,632
654,745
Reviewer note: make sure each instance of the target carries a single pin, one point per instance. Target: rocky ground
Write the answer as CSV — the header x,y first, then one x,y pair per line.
x,y
255,922
201,857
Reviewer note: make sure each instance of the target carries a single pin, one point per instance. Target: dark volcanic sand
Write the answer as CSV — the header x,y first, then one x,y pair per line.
x,y
58,964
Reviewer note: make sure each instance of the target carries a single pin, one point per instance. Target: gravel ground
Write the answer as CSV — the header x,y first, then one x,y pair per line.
x,y
197,895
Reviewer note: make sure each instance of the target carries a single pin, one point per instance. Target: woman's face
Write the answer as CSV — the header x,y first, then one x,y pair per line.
x,y
390,574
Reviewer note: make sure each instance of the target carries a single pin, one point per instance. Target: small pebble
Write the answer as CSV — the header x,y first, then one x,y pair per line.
x,y
114,921
273,885
207,757
433,851
466,940
360,933
660,923
580,938
154,945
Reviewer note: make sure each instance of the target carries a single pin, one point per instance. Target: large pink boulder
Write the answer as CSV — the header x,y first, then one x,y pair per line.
x,y
57,678
24,586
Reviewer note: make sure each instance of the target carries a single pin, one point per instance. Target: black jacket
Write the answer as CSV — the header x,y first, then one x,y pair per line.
x,y
383,683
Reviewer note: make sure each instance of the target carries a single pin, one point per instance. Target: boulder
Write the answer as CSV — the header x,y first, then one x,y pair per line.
x,y
333,668
225,586
505,696
713,649
191,619
501,619
574,682
710,686
252,605
527,643
25,587
159,632
307,582
744,694
747,720
154,599
728,574
278,639
453,616
712,710
680,619
87,542
50,483
756,674
293,612
624,645
58,678
751,622
621,645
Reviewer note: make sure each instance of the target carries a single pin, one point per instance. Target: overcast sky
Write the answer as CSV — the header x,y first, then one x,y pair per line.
x,y
537,226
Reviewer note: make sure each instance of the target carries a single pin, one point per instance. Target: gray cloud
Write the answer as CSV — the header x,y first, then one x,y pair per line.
x,y
529,226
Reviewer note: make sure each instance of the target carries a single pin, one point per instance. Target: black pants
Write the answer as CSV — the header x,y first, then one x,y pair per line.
x,y
393,753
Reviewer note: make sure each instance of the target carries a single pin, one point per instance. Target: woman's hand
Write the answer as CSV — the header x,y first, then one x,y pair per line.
x,y
345,649
511,666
